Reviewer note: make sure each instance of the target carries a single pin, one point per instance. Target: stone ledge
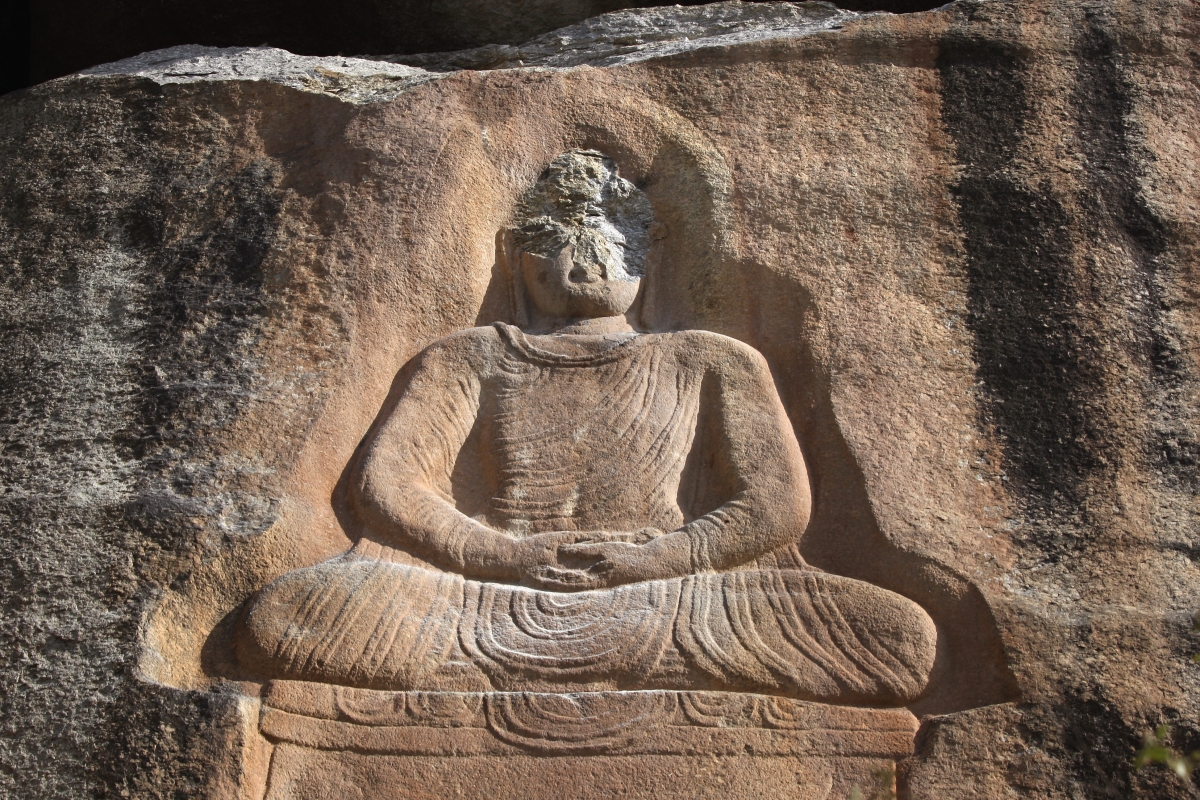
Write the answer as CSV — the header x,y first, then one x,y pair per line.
x,y
300,773
639,722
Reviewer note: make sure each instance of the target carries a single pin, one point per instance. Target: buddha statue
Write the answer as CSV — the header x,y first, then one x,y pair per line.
x,y
575,504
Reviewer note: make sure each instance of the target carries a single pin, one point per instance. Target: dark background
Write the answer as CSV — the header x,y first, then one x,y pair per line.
x,y
44,39
14,44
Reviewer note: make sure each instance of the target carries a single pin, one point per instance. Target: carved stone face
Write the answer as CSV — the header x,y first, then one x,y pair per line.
x,y
579,240
585,279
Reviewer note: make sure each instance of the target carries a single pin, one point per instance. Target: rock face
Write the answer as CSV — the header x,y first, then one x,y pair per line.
x,y
64,32
69,35
963,243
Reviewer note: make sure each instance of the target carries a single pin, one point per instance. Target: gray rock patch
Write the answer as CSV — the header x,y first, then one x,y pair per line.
x,y
626,37
614,39
356,80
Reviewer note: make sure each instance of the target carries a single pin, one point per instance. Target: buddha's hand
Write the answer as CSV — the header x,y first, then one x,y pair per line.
x,y
535,561
546,560
619,562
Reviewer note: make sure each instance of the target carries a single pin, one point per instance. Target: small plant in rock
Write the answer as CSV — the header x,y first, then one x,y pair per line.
x,y
1156,746
1156,749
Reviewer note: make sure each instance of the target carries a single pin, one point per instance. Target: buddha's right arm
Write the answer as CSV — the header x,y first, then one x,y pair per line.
x,y
402,489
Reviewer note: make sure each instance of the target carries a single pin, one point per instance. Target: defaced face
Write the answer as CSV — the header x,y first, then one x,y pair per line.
x,y
584,280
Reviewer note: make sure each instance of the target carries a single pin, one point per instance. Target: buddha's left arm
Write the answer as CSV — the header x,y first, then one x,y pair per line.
x,y
757,450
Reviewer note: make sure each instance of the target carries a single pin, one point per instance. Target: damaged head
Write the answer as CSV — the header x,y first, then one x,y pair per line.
x,y
582,233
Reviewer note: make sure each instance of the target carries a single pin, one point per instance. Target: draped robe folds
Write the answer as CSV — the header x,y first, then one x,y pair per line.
x,y
500,433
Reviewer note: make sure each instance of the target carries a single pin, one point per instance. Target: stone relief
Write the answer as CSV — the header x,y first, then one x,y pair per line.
x,y
579,532
960,240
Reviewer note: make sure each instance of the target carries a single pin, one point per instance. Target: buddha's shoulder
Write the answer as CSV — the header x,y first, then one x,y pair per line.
x,y
711,350
471,346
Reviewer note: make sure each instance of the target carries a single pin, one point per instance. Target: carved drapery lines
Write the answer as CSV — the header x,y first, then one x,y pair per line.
x,y
595,722
739,627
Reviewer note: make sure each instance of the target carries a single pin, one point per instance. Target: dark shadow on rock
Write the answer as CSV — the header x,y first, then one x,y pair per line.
x,y
843,536
218,655
496,305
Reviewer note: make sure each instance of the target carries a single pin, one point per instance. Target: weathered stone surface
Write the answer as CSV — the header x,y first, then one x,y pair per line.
x,y
624,37
64,32
69,35
355,80
963,241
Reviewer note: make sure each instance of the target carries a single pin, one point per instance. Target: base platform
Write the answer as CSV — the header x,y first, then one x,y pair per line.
x,y
336,742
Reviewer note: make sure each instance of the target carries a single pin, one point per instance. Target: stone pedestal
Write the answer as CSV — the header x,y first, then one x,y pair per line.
x,y
356,743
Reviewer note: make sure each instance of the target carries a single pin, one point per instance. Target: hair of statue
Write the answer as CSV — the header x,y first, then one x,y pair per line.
x,y
579,200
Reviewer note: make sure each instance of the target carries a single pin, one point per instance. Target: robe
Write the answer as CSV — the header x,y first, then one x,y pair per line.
x,y
501,433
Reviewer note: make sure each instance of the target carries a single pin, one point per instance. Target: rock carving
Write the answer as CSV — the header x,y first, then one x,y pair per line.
x,y
593,525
